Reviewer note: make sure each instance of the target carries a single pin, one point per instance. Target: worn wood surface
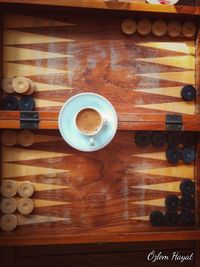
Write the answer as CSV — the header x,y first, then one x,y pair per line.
x,y
105,196
183,7
108,192
69,55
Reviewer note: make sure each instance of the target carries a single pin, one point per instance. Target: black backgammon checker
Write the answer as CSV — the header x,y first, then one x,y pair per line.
x,y
188,93
27,103
173,155
158,139
187,187
189,139
172,202
187,202
143,139
188,155
157,218
10,102
172,218
174,139
187,218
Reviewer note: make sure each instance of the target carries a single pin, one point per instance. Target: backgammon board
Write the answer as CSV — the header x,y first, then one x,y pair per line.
x,y
80,193
107,195
68,55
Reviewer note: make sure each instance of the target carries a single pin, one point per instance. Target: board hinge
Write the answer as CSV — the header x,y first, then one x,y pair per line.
x,y
29,120
174,122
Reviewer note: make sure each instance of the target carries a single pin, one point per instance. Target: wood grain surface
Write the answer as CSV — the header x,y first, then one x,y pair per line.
x,y
183,7
110,191
67,55
105,196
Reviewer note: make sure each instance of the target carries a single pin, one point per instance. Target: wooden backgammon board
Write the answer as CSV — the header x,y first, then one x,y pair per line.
x,y
108,195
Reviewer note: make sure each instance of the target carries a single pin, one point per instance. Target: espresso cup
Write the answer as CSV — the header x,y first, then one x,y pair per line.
x,y
89,122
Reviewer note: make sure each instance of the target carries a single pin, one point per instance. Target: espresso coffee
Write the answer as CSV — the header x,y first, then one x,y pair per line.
x,y
88,121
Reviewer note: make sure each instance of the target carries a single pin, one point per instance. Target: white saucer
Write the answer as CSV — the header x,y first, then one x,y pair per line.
x,y
67,126
158,2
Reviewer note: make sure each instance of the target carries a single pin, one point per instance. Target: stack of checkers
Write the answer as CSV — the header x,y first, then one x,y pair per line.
x,y
11,205
180,145
159,28
12,137
179,210
22,86
145,138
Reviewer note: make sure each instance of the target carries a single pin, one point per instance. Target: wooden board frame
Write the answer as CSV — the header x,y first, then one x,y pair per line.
x,y
127,121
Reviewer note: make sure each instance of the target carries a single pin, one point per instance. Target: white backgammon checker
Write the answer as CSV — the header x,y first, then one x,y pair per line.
x,y
144,26
8,188
189,29
8,222
7,85
8,205
25,189
9,138
128,26
174,28
25,206
25,138
159,28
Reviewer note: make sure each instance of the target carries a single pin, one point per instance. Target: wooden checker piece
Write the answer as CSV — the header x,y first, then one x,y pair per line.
x,y
189,29
187,187
25,138
172,218
188,155
25,189
7,85
187,218
9,138
26,103
172,202
25,206
21,84
174,28
143,138
188,93
8,188
8,222
10,102
159,28
31,89
157,218
144,26
128,26
8,205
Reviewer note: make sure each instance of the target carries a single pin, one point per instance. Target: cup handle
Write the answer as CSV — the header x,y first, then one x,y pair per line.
x,y
92,141
105,121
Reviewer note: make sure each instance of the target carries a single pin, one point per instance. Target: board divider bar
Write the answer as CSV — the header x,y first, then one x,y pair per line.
x,y
126,121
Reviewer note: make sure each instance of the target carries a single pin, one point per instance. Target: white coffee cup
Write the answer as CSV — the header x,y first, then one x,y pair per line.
x,y
89,121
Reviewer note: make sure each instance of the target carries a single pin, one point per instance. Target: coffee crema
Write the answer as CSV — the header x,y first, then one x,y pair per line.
x,y
88,121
